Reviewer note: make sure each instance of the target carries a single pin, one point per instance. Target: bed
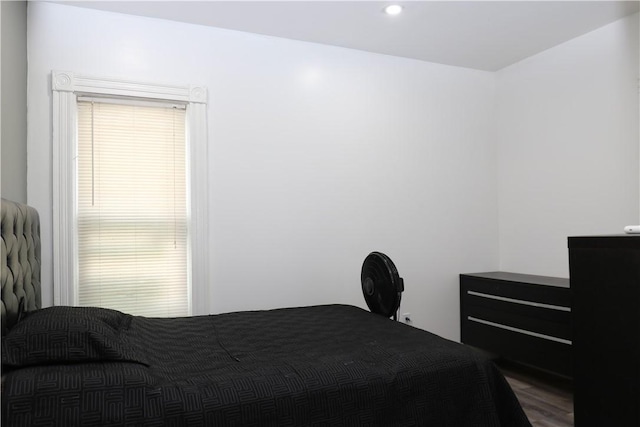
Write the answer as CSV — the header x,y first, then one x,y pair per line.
x,y
329,365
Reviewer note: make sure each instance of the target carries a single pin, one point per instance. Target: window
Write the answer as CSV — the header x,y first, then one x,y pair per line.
x,y
130,195
131,207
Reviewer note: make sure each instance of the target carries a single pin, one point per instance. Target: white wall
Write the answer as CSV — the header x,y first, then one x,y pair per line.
x,y
318,155
568,147
13,107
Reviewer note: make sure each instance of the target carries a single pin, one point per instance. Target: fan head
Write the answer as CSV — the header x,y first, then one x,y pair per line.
x,y
382,286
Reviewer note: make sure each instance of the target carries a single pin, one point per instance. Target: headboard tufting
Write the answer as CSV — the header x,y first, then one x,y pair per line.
x,y
20,261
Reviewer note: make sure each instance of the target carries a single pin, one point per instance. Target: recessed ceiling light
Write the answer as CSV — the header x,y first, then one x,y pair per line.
x,y
393,9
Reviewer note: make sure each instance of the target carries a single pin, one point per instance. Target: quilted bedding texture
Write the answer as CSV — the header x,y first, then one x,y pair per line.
x,y
332,365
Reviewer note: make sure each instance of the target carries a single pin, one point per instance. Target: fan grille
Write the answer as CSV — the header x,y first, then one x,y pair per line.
x,y
381,284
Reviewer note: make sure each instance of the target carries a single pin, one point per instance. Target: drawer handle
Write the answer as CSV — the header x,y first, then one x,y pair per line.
x,y
522,331
519,301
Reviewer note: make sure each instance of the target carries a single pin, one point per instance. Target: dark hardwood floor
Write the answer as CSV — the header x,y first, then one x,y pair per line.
x,y
546,399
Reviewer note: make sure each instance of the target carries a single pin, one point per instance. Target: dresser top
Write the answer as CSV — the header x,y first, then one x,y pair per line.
x,y
621,241
522,278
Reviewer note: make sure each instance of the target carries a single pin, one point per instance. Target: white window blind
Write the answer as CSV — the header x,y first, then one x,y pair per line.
x,y
132,235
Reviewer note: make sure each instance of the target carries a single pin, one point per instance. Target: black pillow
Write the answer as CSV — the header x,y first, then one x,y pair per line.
x,y
61,334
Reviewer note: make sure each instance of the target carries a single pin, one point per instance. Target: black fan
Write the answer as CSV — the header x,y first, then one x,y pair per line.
x,y
381,285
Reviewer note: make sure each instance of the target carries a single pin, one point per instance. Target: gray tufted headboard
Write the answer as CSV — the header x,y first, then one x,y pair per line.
x,y
20,261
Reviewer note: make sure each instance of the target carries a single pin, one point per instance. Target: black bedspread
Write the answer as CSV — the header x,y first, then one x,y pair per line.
x,y
314,366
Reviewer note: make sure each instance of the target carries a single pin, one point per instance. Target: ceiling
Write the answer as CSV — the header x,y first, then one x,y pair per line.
x,y
485,35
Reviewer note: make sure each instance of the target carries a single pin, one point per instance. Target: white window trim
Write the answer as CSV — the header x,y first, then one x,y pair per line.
x,y
66,87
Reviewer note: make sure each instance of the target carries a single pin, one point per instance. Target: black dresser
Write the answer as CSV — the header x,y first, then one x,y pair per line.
x,y
605,279
520,317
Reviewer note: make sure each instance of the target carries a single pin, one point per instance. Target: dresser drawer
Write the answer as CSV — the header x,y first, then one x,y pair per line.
x,y
541,353
550,293
554,321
